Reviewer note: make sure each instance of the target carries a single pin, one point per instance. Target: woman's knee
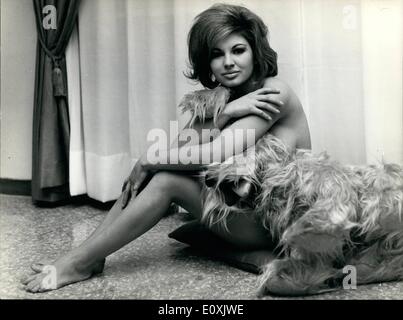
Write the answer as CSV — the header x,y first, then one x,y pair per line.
x,y
178,187
165,181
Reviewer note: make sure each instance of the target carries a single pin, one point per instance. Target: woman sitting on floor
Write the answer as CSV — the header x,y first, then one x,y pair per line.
x,y
228,47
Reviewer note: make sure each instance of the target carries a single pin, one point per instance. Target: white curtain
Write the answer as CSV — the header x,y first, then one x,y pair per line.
x,y
127,58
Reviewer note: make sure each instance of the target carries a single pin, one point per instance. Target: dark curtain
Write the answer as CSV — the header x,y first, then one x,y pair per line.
x,y
51,128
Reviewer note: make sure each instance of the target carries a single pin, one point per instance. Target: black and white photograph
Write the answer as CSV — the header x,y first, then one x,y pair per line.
x,y
222,151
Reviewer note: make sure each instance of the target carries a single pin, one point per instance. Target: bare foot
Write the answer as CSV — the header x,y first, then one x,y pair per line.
x,y
59,274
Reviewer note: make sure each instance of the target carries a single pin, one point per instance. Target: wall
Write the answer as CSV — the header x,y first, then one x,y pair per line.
x,y
18,51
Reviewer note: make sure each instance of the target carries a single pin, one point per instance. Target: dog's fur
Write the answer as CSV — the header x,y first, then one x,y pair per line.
x,y
323,215
205,104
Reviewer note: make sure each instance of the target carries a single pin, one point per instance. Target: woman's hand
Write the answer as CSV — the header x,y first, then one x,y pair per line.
x,y
133,183
259,102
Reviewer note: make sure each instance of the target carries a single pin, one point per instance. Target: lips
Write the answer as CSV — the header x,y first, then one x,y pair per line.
x,y
230,73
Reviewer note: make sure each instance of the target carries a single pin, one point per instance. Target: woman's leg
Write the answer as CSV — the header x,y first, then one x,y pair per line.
x,y
141,214
113,213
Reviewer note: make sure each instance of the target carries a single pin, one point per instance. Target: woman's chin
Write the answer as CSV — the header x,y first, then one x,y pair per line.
x,y
231,83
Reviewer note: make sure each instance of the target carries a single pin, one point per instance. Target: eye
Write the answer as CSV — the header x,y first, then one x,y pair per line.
x,y
216,54
239,50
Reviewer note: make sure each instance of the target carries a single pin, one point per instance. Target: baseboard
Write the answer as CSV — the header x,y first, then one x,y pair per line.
x,y
23,188
15,187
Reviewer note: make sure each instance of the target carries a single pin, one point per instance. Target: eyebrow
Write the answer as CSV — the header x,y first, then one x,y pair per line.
x,y
234,46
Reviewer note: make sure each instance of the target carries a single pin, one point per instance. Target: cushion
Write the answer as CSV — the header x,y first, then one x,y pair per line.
x,y
198,236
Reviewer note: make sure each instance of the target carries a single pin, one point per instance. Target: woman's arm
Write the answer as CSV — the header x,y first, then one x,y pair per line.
x,y
261,102
198,127
234,139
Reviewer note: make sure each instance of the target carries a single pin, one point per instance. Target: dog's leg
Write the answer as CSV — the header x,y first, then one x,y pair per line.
x,y
293,277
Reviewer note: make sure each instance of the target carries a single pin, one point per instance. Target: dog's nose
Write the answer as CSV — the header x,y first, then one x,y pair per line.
x,y
243,188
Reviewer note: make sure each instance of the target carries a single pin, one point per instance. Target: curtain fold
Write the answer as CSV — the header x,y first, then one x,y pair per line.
x,y
51,128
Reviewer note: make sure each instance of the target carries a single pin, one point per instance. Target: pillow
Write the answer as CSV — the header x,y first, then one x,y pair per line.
x,y
198,236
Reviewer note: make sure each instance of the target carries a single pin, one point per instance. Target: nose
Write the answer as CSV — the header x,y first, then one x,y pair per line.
x,y
243,189
228,62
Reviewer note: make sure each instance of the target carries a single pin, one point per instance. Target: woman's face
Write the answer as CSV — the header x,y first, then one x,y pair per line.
x,y
232,61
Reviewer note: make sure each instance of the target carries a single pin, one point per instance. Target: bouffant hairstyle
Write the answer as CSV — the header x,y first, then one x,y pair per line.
x,y
217,23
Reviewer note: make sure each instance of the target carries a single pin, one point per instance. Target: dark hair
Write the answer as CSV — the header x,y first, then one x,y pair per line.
x,y
217,23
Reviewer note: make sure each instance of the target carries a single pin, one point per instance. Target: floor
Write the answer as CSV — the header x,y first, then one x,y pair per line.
x,y
152,267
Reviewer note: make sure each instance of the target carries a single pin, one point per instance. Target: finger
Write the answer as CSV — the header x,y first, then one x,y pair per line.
x,y
134,190
268,99
267,107
135,193
122,204
129,196
125,198
262,114
124,185
267,91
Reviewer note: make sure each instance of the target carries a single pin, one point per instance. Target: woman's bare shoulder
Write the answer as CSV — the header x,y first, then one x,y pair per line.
x,y
286,95
273,81
293,129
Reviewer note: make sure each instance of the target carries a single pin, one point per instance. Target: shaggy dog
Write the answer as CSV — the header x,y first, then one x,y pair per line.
x,y
323,216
